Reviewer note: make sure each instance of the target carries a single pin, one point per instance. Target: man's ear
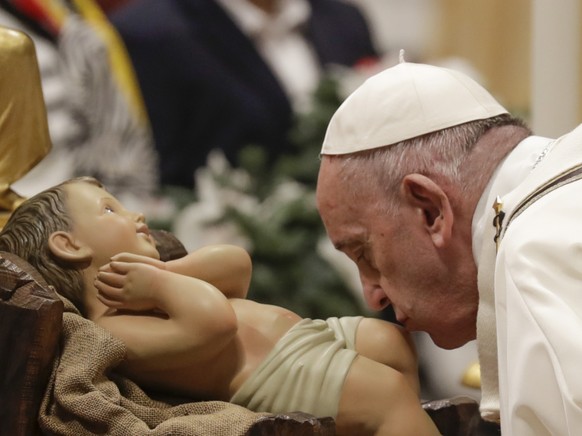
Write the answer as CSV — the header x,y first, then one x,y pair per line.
x,y
64,246
433,205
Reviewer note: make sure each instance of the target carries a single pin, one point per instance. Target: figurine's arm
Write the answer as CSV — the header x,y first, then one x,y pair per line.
x,y
163,317
227,267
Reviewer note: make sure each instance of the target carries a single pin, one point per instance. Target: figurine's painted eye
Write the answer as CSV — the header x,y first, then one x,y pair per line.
x,y
109,209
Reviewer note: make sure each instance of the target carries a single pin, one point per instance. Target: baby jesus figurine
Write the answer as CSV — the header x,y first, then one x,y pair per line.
x,y
190,330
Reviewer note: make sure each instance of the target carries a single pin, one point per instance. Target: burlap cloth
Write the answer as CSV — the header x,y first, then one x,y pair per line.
x,y
85,396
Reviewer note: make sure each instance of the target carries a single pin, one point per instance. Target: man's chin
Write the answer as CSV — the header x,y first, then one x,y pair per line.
x,y
449,342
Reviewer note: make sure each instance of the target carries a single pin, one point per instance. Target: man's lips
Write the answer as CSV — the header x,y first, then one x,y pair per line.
x,y
403,320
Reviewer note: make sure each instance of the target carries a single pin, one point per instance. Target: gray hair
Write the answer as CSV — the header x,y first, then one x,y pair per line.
x,y
439,155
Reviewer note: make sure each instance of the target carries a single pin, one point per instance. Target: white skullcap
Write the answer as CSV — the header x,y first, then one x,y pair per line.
x,y
403,102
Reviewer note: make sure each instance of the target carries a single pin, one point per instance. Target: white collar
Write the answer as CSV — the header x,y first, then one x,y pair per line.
x,y
510,172
254,22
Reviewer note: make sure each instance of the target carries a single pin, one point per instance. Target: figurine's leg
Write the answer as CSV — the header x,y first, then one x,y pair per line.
x,y
378,400
389,344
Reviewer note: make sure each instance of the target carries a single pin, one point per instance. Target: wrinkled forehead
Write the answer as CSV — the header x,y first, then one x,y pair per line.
x,y
343,176
329,180
337,195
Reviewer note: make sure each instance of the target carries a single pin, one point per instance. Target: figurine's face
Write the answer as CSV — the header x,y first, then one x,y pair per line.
x,y
104,226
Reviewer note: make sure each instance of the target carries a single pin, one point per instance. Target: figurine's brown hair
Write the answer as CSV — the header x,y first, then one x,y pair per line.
x,y
27,233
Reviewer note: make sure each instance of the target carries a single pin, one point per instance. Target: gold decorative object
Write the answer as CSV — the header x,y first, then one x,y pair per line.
x,y
24,135
498,220
472,376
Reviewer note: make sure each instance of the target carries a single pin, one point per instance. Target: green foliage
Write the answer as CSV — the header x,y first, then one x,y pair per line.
x,y
271,206
288,269
306,137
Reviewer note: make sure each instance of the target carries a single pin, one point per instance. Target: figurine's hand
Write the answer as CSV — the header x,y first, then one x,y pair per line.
x,y
127,285
133,258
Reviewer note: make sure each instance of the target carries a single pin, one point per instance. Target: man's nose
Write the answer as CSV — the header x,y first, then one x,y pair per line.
x,y
374,295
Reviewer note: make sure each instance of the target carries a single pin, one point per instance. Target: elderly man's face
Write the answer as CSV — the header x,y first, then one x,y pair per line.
x,y
431,289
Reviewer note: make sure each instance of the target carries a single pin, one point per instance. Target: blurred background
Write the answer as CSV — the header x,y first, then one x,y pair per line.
x,y
208,116
527,52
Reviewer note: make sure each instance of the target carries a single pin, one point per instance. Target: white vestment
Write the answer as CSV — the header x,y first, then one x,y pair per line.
x,y
529,326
